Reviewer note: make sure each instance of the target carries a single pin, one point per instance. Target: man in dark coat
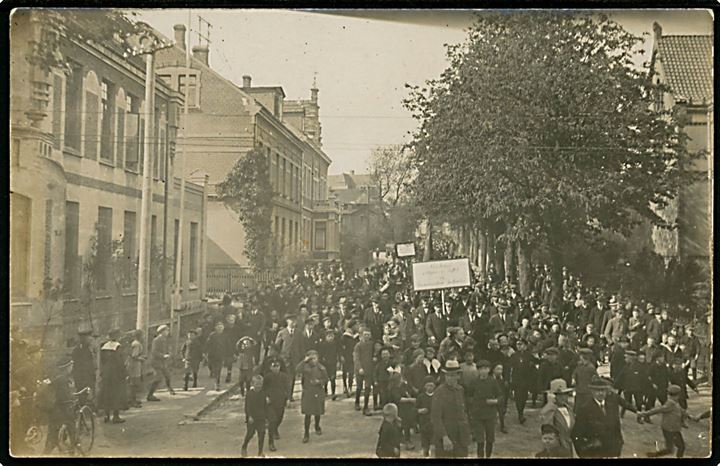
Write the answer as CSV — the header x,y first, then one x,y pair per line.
x,y
313,378
451,428
83,370
215,352
522,370
57,403
275,387
374,319
502,321
436,324
113,390
254,327
597,432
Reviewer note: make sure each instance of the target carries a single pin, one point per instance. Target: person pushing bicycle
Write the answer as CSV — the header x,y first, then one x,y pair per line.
x,y
56,399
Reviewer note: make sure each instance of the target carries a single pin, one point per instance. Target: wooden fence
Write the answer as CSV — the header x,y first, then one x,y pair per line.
x,y
233,279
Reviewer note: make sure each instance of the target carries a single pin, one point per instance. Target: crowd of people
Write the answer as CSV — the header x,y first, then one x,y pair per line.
x,y
441,368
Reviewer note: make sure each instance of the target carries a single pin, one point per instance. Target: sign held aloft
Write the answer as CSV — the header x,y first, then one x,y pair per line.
x,y
405,249
435,275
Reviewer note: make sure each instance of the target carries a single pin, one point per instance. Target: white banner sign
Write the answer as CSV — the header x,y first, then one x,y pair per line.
x,y
405,249
436,275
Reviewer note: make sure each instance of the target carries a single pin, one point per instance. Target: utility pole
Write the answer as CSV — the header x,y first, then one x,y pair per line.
x,y
177,294
148,44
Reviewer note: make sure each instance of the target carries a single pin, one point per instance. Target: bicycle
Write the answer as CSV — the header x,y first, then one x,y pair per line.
x,y
80,436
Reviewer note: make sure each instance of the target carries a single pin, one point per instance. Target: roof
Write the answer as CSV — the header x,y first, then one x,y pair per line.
x,y
351,196
348,181
687,61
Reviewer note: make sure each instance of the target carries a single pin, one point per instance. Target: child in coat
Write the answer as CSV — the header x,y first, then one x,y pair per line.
x,y
255,415
192,355
246,362
673,417
551,443
497,373
328,350
389,437
423,405
399,394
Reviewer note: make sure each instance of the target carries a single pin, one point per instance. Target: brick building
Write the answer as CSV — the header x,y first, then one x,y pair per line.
x,y
76,182
225,121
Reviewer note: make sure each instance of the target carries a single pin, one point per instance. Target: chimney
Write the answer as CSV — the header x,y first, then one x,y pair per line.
x,y
247,81
314,95
352,172
201,52
180,35
657,29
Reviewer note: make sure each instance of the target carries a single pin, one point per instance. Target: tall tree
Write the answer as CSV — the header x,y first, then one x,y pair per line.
x,y
543,122
247,191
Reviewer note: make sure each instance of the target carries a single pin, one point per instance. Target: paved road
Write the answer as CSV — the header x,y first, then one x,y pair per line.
x,y
166,429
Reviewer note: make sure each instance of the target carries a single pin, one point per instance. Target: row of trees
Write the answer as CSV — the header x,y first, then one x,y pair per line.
x,y
541,132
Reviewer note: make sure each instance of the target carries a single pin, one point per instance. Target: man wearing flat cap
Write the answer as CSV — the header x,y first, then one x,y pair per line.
x,y
59,402
159,359
313,378
597,432
451,428
557,412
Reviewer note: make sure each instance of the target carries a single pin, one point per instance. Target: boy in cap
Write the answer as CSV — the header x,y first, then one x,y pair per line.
x,y
255,415
389,437
551,444
673,417
348,340
328,349
633,379
484,410
192,357
215,352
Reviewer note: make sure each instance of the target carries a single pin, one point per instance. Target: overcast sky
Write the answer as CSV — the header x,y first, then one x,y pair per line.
x,y
362,59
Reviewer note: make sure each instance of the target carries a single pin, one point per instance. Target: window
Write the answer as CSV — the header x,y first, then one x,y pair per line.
x,y
73,101
129,226
104,247
192,99
284,177
320,236
277,226
282,233
193,252
155,145
297,228
167,79
162,152
91,136
72,261
153,232
57,112
278,187
120,140
132,138
20,233
175,248
107,100
273,171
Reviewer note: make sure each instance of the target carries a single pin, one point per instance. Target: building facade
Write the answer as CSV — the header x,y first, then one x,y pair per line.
x,y
77,141
225,121
684,63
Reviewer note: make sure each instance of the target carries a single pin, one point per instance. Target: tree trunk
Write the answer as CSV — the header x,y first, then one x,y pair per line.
x,y
472,246
427,253
556,263
524,269
482,252
500,259
490,248
510,262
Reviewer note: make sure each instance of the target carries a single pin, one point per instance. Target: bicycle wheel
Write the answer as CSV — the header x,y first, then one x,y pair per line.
x,y
34,435
65,441
85,429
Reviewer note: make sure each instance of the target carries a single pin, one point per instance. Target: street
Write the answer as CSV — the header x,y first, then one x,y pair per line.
x,y
166,428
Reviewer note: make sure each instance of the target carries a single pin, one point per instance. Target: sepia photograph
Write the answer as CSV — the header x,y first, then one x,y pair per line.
x,y
360,233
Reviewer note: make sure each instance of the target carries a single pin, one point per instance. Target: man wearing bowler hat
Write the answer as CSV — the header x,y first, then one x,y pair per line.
x,y
451,428
597,432
83,370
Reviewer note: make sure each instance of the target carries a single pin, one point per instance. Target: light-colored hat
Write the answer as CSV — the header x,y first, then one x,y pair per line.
x,y
161,328
559,386
451,366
